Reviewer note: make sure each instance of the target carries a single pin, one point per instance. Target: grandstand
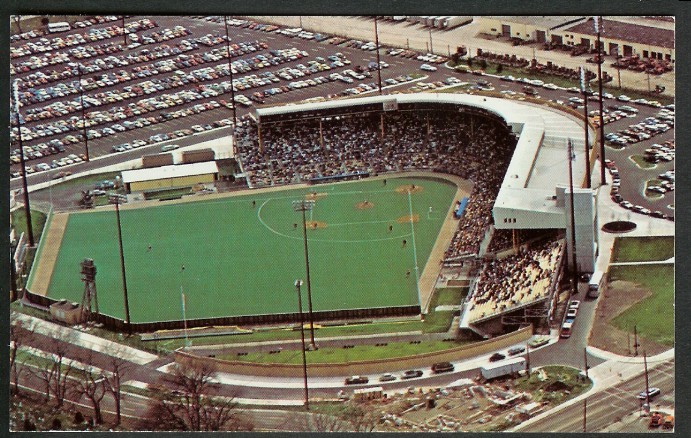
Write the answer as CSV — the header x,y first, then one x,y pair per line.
x,y
516,158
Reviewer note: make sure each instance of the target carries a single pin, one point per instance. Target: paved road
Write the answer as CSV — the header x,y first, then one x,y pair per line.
x,y
609,406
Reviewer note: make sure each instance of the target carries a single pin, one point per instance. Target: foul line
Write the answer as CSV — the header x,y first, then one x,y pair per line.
x,y
311,239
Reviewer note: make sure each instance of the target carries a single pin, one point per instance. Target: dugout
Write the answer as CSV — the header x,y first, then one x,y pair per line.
x,y
165,177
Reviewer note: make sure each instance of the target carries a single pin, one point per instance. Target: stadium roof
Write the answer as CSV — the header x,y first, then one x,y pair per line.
x,y
550,22
174,171
539,162
635,33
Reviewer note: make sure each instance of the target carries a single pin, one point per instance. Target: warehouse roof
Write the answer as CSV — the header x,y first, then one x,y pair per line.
x,y
163,172
635,33
543,21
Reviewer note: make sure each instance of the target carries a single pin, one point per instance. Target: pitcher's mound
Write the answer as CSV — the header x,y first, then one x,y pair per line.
x,y
412,188
314,196
364,205
313,225
406,219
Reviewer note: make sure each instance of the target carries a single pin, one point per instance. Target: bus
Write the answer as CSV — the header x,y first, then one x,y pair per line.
x,y
61,26
566,329
595,284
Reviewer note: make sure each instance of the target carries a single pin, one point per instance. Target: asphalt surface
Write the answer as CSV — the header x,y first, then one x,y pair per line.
x,y
609,406
633,178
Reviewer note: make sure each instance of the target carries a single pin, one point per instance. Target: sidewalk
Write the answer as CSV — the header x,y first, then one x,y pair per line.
x,y
86,340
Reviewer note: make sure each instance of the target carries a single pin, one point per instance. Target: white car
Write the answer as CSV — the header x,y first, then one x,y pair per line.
x,y
550,86
428,67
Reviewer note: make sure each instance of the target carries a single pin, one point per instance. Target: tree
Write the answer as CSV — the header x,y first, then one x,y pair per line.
x,y
55,369
470,61
18,21
346,417
500,68
90,383
21,333
188,400
483,64
118,369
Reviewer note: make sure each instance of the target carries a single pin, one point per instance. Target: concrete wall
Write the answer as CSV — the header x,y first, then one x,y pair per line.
x,y
171,182
363,367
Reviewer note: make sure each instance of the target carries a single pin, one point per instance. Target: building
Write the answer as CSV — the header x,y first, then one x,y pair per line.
x,y
526,28
67,312
166,177
624,38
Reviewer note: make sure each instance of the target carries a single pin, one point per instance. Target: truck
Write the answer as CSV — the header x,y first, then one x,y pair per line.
x,y
457,20
503,368
595,284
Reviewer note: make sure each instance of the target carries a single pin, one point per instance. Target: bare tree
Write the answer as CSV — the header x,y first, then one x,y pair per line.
x,y
20,335
118,368
346,417
55,369
91,383
188,400
359,418
18,21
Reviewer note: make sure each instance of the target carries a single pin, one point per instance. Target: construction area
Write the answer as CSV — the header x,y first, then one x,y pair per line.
x,y
472,405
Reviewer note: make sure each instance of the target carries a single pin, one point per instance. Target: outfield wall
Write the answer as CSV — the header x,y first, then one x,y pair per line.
x,y
361,367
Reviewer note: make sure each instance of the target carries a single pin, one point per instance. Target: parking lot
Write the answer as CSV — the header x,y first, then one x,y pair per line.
x,y
170,80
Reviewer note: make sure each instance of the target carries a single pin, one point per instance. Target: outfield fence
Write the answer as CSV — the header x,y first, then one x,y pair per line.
x,y
118,324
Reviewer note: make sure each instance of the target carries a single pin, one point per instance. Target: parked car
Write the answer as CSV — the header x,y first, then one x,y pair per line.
x,y
388,377
442,367
652,392
356,380
496,357
411,374
516,350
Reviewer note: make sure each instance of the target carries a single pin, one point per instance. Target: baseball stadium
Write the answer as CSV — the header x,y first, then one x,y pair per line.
x,y
373,201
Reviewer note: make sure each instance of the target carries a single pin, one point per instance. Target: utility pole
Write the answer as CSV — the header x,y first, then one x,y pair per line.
x,y
376,42
598,28
124,30
527,358
585,360
635,341
25,190
585,410
647,386
585,121
431,49
81,103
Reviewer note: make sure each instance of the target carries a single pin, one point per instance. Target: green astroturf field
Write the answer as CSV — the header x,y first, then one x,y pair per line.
x,y
243,259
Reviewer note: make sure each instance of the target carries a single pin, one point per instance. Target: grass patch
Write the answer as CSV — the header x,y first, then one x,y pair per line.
x,y
289,334
38,221
640,162
437,321
347,355
81,182
653,316
652,195
448,296
643,249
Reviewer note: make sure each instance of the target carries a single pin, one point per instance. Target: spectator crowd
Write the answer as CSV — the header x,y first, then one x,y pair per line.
x,y
515,280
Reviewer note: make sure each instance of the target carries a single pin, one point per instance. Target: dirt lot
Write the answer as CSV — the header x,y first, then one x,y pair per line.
x,y
619,296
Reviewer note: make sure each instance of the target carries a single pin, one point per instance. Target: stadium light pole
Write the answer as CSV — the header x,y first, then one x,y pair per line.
x,y
598,22
117,199
81,104
304,206
574,267
27,208
298,283
412,231
230,71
